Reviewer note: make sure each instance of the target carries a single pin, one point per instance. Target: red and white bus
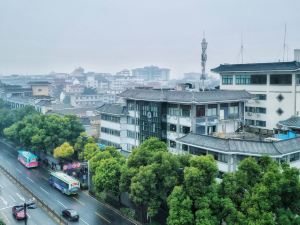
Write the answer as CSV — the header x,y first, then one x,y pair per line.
x,y
28,159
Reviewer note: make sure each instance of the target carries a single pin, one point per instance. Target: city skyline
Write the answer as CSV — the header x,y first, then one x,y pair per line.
x,y
37,38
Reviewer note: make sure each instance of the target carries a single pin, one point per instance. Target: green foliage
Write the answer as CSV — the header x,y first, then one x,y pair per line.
x,y
81,141
44,132
130,213
64,151
90,149
1,222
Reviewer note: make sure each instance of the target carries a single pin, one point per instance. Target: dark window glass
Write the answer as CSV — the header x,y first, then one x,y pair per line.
x,y
185,110
184,129
185,147
294,157
172,144
261,96
200,110
227,79
242,79
261,110
258,79
297,79
281,79
260,123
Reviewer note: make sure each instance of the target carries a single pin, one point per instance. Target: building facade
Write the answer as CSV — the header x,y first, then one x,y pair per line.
x,y
169,115
276,87
151,73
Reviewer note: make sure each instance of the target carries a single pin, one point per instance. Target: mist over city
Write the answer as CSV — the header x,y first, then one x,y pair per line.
x,y
149,112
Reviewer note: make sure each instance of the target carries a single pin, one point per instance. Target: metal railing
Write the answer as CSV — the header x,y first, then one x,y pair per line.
x,y
53,214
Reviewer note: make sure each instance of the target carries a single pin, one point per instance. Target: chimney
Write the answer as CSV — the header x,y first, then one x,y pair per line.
x,y
297,55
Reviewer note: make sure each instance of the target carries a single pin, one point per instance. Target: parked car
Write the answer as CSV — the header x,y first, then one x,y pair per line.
x,y
70,214
18,212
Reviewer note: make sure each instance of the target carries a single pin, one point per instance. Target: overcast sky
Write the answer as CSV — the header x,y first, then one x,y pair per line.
x,y
39,36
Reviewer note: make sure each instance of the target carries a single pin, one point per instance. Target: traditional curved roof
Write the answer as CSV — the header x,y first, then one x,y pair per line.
x,y
185,96
242,147
292,122
250,67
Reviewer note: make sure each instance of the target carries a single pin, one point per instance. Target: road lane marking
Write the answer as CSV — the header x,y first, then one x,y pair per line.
x,y
102,217
30,179
80,202
61,204
6,207
44,191
84,221
45,178
12,198
3,200
19,171
21,197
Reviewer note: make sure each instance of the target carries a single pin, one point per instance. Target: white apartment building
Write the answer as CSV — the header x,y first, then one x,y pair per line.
x,y
276,87
80,100
169,115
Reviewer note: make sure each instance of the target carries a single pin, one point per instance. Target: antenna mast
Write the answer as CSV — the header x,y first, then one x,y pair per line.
x,y
284,44
203,61
242,48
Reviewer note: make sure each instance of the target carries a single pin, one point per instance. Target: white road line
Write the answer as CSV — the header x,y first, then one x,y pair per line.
x,y
61,204
3,200
12,198
30,179
21,197
44,191
84,221
6,207
19,171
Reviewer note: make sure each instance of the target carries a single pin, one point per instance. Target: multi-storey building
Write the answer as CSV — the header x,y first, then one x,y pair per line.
x,y
80,100
169,115
113,131
275,85
151,73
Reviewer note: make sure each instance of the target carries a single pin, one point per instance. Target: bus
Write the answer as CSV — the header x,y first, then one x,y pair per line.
x,y
66,184
28,159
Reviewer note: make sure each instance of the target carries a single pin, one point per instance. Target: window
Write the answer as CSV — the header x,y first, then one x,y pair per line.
x,y
185,147
261,96
212,110
184,129
281,79
173,110
297,79
261,110
185,110
250,122
260,123
39,90
200,110
227,79
242,79
172,144
172,127
258,79
114,119
294,157
223,158
110,131
234,108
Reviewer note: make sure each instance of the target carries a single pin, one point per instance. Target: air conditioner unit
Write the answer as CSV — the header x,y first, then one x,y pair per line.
x,y
249,113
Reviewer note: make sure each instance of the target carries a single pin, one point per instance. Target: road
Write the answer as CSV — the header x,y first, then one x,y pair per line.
x,y
91,211
11,195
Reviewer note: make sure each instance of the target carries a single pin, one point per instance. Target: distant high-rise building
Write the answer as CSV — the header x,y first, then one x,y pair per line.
x,y
151,73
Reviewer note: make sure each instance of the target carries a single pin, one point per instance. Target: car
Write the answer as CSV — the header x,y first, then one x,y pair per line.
x,y
70,214
18,212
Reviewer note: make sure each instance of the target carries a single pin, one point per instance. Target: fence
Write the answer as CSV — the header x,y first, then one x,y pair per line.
x,y
54,215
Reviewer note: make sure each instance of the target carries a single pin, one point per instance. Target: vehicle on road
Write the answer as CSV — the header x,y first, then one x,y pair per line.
x,y
66,184
70,214
28,159
18,212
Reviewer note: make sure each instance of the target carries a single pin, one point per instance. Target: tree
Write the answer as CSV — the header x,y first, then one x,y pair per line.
x,y
90,149
81,141
180,206
64,151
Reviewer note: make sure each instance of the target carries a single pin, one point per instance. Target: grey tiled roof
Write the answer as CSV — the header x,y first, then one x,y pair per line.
x,y
114,109
185,96
275,66
293,121
242,147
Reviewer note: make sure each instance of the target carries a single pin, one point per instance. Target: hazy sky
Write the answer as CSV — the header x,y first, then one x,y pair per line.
x,y
39,36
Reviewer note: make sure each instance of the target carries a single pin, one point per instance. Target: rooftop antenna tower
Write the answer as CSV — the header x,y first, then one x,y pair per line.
x,y
284,44
242,48
203,61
